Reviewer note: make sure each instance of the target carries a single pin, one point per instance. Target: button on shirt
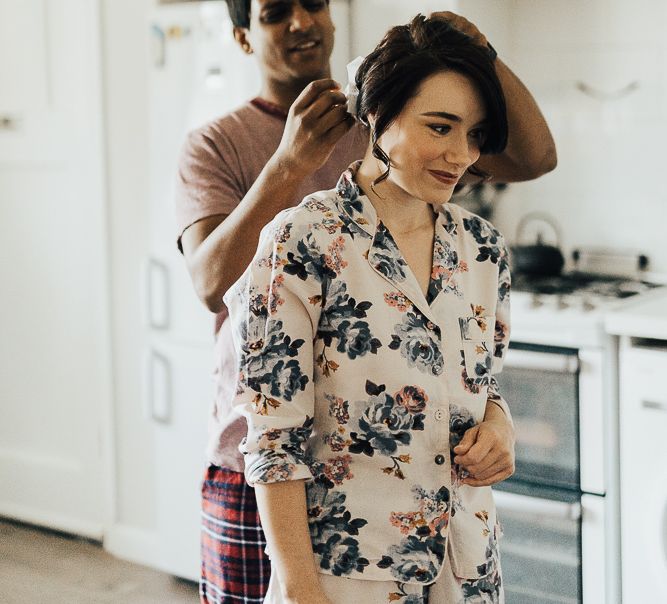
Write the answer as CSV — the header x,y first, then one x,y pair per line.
x,y
352,379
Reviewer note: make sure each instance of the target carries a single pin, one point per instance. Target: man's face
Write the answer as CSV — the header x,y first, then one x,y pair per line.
x,y
292,39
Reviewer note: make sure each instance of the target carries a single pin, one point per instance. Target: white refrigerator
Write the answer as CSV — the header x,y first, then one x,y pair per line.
x,y
196,73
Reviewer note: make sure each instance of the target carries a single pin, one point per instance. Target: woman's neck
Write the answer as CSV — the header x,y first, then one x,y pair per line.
x,y
399,211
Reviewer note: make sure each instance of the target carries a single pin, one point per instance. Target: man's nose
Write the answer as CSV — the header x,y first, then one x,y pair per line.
x,y
301,19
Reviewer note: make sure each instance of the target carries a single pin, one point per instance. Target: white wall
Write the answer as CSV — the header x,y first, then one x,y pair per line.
x,y
608,188
372,18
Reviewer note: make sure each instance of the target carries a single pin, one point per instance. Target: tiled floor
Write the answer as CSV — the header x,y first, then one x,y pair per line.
x,y
42,567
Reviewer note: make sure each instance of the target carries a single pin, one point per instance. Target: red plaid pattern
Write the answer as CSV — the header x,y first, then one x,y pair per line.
x,y
234,567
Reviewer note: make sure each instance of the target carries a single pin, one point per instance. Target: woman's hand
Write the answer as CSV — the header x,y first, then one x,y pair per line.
x,y
309,599
311,595
486,451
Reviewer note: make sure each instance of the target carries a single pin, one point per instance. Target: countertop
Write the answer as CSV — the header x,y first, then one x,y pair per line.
x,y
645,317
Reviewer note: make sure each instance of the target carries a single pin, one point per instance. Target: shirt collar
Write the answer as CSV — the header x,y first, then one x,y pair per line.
x,y
354,202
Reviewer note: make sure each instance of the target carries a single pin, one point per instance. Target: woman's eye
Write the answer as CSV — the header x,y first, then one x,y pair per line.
x,y
440,128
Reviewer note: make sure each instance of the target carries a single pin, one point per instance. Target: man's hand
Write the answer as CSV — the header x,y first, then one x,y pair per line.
x,y
486,452
316,121
463,25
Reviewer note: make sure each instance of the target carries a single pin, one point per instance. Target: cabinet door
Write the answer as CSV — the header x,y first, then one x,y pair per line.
x,y
644,475
179,390
54,346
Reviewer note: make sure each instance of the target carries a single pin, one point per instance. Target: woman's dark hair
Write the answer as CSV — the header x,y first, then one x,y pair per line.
x,y
408,54
239,12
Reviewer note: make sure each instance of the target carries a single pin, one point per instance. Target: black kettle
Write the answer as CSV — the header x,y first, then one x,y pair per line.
x,y
537,259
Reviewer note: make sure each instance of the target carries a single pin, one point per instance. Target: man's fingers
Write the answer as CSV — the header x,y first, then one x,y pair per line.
x,y
339,130
325,102
331,119
312,92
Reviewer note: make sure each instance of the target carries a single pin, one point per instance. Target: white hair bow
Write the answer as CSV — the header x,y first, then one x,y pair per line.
x,y
351,90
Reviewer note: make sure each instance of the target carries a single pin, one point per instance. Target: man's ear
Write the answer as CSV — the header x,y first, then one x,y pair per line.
x,y
241,37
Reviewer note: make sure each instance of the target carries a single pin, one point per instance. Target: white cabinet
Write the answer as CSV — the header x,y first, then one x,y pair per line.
x,y
643,423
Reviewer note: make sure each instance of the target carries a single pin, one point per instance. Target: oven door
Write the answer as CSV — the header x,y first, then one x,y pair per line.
x,y
540,551
541,385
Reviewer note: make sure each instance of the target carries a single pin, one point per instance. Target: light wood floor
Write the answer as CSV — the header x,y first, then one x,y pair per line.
x,y
39,566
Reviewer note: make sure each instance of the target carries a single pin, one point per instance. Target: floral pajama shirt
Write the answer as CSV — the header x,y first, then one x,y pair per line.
x,y
352,379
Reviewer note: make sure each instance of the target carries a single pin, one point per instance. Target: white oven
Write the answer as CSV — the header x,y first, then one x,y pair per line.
x,y
560,510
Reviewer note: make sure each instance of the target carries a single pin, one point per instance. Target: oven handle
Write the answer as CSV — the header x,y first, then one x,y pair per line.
x,y
542,361
560,510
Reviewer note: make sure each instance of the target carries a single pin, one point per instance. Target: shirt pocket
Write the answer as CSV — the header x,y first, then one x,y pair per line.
x,y
474,534
477,343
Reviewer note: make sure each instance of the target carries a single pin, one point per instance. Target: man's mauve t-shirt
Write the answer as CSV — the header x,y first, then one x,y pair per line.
x,y
219,163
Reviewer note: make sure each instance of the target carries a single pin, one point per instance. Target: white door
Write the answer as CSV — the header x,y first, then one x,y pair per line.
x,y
54,349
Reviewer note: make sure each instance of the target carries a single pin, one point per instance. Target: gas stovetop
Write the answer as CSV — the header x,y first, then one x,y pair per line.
x,y
568,310
585,285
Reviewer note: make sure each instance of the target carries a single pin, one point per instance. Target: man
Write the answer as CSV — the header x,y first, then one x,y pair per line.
x,y
240,170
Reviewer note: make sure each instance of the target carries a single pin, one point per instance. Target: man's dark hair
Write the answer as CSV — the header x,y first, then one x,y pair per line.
x,y
239,12
407,55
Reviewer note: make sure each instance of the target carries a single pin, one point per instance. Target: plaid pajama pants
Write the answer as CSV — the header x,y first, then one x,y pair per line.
x,y
234,567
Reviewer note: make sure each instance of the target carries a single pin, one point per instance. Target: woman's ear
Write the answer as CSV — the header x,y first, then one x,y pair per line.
x,y
241,37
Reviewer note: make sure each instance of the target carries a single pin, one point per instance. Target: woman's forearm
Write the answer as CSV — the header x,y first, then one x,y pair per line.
x,y
283,511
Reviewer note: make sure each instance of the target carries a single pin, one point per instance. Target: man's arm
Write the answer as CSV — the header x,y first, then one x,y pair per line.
x,y
219,248
530,151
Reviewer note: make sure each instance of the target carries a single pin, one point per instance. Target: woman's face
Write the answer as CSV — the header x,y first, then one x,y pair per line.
x,y
435,138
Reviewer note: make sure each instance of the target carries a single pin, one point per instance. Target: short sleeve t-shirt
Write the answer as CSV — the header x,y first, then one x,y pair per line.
x,y
219,163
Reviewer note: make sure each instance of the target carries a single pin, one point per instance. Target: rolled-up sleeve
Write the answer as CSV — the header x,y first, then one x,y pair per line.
x,y
502,330
274,309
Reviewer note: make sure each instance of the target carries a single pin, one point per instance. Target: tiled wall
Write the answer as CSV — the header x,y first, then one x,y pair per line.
x,y
609,188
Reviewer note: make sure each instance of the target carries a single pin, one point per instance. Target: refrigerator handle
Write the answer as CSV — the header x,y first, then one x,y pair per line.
x,y
157,295
158,387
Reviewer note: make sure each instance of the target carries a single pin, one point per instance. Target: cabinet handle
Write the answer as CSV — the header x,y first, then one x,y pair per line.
x,y
158,387
157,295
654,405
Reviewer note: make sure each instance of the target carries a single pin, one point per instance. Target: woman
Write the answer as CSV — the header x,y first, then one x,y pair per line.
x,y
369,328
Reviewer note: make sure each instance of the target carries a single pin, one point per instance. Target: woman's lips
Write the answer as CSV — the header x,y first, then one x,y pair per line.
x,y
445,177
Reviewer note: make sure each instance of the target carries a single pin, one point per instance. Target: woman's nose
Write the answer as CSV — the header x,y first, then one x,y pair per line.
x,y
460,152
301,19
